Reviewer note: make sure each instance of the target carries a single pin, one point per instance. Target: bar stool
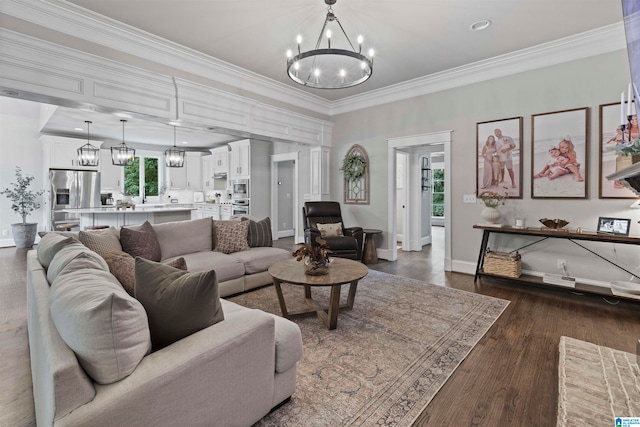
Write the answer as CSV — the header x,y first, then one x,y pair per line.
x,y
67,226
96,227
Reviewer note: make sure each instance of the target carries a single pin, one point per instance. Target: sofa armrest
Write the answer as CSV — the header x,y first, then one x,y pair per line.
x,y
358,234
223,373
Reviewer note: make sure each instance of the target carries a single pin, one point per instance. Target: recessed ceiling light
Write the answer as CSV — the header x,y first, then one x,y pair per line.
x,y
480,25
79,129
185,142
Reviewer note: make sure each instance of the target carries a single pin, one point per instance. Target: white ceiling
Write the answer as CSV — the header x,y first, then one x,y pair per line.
x,y
412,39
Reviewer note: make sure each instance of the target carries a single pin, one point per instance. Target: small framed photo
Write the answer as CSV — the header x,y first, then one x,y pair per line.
x,y
617,226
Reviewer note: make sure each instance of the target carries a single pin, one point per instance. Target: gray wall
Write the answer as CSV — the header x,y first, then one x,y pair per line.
x,y
584,83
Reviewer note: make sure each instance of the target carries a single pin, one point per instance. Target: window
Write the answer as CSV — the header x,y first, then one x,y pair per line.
x,y
437,194
144,174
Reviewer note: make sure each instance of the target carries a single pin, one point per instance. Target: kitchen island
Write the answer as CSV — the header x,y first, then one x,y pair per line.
x,y
155,214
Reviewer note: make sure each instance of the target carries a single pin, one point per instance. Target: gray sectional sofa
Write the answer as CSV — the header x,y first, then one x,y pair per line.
x,y
231,373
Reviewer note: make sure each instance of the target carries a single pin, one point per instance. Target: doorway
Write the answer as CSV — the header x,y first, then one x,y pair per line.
x,y
284,195
416,147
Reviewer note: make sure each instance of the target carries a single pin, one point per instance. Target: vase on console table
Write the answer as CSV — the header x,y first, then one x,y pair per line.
x,y
490,215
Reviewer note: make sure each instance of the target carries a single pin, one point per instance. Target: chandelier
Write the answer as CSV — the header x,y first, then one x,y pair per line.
x,y
174,156
122,155
88,155
330,68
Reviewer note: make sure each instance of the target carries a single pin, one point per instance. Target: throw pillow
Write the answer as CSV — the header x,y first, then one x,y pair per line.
x,y
102,242
106,328
259,234
178,303
330,229
71,252
141,242
231,236
49,246
123,267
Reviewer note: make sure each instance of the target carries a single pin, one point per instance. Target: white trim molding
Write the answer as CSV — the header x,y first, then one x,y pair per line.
x,y
84,24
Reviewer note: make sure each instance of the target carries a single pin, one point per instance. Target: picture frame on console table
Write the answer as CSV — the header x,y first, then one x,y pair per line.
x,y
499,157
615,226
610,160
559,154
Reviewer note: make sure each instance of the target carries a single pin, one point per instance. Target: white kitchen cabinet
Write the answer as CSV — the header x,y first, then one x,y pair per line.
x,y
194,171
111,176
187,177
209,211
207,172
62,153
240,159
220,160
226,211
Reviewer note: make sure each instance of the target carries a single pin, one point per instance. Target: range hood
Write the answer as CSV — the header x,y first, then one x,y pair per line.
x,y
220,175
629,177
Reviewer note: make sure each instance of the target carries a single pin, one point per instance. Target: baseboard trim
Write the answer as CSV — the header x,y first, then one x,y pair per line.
x,y
6,243
285,233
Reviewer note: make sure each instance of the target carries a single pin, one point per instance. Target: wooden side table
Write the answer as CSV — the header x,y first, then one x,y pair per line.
x,y
369,254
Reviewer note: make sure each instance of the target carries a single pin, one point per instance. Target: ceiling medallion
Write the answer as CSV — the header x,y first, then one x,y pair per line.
x,y
330,68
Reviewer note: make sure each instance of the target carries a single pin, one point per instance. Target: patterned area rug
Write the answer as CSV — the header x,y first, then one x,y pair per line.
x,y
597,384
389,355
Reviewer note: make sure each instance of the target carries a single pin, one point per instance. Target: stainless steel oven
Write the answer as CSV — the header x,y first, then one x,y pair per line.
x,y
240,189
240,207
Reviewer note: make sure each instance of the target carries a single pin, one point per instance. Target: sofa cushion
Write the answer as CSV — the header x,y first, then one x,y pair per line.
x,y
105,327
102,242
327,230
231,236
226,266
70,252
141,241
257,260
259,234
123,267
184,237
177,303
49,246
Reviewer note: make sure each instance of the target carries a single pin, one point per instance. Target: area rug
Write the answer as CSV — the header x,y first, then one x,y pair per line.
x,y
388,356
596,384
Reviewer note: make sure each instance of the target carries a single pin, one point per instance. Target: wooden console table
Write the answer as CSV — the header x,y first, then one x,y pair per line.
x,y
572,236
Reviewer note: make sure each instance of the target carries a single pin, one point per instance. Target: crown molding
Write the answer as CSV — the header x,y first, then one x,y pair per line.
x,y
583,45
73,20
76,21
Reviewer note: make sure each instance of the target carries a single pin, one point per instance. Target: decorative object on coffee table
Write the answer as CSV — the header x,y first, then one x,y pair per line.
x,y
342,271
315,256
24,201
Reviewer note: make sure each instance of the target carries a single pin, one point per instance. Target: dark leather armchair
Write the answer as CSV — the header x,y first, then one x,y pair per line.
x,y
349,245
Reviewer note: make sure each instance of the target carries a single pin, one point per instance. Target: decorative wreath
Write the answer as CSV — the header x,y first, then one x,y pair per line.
x,y
353,167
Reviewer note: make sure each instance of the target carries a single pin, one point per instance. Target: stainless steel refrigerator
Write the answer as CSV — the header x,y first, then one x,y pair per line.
x,y
72,189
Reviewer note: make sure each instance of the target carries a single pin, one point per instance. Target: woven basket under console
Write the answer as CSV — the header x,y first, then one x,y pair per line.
x,y
502,264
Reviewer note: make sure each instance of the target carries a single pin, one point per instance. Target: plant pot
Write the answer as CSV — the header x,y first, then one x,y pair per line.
x,y
490,215
315,268
623,162
24,234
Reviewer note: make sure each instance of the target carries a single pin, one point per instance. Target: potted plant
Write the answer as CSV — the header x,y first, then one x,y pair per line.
x,y
315,256
491,200
628,154
24,201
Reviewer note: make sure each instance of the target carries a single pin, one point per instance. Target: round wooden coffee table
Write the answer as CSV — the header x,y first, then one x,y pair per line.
x,y
342,271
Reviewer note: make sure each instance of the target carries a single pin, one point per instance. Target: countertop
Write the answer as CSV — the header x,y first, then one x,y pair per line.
x,y
137,210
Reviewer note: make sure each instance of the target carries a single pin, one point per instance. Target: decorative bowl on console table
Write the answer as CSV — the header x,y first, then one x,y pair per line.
x,y
556,224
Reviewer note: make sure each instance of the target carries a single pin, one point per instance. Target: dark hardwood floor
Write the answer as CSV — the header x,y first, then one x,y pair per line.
x,y
509,379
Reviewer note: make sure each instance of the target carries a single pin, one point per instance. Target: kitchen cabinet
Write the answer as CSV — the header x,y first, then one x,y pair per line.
x,y
226,211
62,153
209,211
240,159
187,177
110,175
220,160
207,172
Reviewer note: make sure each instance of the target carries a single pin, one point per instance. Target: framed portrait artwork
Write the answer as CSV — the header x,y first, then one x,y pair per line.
x,y
611,135
559,153
498,157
